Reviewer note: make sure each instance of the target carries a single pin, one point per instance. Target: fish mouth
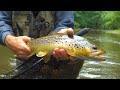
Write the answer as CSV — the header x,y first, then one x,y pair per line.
x,y
97,55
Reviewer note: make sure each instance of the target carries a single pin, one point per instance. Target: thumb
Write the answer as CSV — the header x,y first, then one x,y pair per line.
x,y
25,38
70,32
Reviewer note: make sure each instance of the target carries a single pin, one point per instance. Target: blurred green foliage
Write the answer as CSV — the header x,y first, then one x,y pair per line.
x,y
97,19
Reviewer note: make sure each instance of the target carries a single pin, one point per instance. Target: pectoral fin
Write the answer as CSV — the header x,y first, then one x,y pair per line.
x,y
71,52
41,54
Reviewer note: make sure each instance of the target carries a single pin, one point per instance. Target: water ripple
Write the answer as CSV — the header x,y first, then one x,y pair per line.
x,y
87,75
103,40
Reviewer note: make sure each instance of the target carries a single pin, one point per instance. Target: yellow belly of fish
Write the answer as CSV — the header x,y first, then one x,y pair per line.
x,y
45,51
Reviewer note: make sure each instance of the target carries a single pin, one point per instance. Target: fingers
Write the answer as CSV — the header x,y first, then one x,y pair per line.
x,y
68,31
21,45
21,53
25,48
56,53
61,54
18,45
25,38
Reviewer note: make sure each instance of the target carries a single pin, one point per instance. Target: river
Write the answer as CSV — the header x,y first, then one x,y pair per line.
x,y
109,69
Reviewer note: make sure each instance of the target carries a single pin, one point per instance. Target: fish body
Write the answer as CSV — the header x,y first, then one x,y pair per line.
x,y
75,46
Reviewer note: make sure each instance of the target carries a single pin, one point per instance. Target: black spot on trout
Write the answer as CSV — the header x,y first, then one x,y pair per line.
x,y
76,46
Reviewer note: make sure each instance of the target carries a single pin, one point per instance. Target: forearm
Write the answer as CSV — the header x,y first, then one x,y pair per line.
x,y
5,25
63,20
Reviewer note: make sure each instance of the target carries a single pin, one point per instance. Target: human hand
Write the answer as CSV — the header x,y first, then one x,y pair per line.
x,y
68,31
61,53
18,45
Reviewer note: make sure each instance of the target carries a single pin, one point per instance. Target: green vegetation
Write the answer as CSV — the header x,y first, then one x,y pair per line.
x,y
103,20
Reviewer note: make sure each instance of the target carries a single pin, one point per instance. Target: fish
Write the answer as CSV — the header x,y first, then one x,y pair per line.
x,y
75,46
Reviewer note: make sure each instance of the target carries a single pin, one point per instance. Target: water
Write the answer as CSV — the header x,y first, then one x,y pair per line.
x,y
7,61
109,69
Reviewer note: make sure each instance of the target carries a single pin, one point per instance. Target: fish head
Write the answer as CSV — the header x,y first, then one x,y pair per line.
x,y
86,50
96,54
90,53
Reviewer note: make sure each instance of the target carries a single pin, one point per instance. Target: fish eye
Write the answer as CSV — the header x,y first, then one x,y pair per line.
x,y
94,48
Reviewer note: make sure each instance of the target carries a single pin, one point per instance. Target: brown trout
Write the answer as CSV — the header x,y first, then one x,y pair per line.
x,y
75,46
